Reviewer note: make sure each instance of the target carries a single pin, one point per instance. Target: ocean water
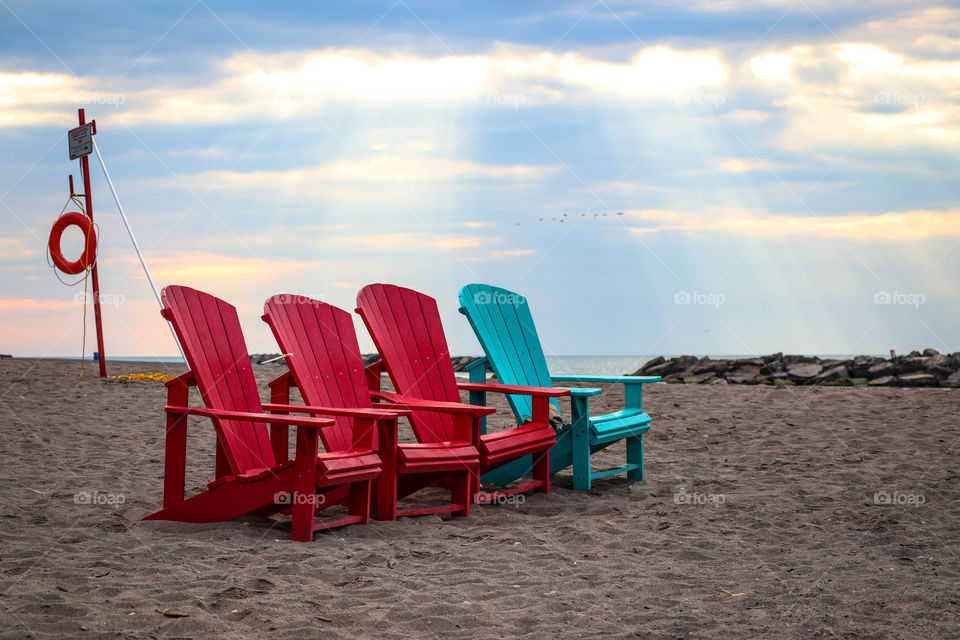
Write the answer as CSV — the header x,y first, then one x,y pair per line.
x,y
595,365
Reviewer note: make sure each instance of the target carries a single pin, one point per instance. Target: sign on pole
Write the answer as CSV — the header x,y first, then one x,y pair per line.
x,y
81,141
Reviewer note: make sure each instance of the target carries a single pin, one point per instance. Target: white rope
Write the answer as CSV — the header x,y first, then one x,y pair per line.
x,y
280,357
136,246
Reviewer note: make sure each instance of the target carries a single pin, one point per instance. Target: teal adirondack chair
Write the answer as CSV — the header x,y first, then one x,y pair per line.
x,y
503,324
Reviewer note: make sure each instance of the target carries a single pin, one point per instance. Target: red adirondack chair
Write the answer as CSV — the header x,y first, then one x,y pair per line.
x,y
253,472
326,366
405,326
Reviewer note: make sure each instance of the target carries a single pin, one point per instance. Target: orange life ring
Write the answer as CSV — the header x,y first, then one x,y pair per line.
x,y
90,243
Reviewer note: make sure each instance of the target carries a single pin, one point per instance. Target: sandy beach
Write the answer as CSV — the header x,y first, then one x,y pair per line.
x,y
767,512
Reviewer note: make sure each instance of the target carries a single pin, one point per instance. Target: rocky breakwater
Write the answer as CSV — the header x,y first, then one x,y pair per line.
x,y
927,369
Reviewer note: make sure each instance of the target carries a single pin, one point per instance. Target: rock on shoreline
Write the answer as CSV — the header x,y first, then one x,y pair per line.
x,y
927,369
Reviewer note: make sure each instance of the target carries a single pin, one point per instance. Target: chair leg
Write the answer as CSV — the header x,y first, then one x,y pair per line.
x,y
635,456
474,486
581,453
541,471
386,490
175,460
360,500
385,487
461,491
304,486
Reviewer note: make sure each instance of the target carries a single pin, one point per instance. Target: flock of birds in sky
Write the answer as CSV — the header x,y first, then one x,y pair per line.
x,y
582,215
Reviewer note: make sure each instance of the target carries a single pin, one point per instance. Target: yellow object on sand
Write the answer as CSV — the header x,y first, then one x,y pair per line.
x,y
159,377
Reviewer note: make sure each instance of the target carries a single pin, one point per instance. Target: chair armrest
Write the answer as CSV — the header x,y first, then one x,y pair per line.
x,y
396,401
608,379
632,385
269,418
285,379
373,414
372,373
479,362
184,380
584,392
513,389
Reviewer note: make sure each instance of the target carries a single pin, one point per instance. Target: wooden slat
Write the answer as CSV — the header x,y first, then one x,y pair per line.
x,y
623,413
288,328
288,325
443,380
224,327
511,369
505,345
352,357
205,366
525,337
596,475
210,331
334,367
313,350
526,342
386,333
614,430
240,373
215,382
387,319
337,366
424,316
394,311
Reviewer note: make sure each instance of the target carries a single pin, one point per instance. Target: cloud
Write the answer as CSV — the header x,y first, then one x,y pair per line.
x,y
747,116
807,5
200,268
298,84
894,225
14,248
866,95
511,253
887,83
379,169
409,241
656,70
464,247
361,74
30,99
924,32
508,76
36,304
742,165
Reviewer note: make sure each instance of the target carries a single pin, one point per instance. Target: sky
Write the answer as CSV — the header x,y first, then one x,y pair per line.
x,y
706,177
